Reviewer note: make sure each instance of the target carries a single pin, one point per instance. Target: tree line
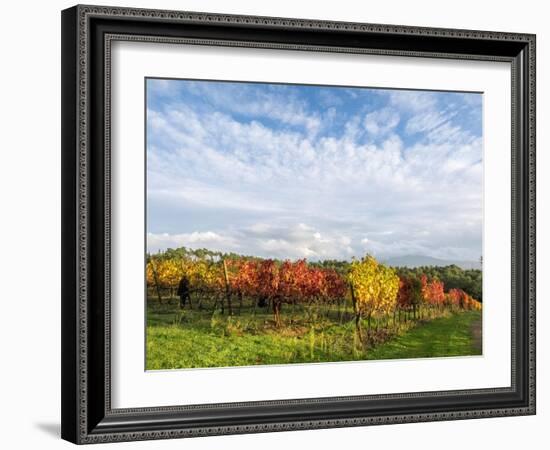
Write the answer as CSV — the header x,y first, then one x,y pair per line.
x,y
453,276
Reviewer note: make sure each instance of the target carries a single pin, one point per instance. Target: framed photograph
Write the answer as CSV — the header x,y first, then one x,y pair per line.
x,y
280,224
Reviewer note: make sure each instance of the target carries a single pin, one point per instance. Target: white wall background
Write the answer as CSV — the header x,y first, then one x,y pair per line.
x,y
30,222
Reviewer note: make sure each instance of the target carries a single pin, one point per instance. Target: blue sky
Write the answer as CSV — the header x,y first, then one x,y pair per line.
x,y
293,171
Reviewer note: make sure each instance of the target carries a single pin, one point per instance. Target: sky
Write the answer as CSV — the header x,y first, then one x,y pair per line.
x,y
316,172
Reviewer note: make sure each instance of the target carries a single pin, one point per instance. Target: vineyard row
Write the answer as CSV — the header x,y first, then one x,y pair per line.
x,y
373,288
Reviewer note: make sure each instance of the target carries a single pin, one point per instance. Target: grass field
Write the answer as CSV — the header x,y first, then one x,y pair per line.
x,y
191,339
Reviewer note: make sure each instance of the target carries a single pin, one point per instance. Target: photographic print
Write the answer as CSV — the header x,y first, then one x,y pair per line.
x,y
292,223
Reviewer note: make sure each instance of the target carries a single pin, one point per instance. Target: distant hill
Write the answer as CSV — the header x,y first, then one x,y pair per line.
x,y
420,260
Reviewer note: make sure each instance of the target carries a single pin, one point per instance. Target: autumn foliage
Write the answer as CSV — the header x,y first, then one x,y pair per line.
x,y
459,299
432,291
410,293
373,288
268,281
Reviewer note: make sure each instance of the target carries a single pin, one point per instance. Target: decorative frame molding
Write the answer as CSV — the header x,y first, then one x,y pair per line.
x,y
87,34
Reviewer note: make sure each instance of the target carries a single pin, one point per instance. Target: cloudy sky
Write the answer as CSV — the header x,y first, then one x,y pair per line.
x,y
293,171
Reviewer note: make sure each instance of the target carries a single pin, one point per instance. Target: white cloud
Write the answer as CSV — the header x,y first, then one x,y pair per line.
x,y
415,101
240,99
207,239
381,122
294,241
293,193
425,121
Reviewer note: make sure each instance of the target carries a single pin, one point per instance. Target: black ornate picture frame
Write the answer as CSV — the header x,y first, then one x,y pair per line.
x,y
87,35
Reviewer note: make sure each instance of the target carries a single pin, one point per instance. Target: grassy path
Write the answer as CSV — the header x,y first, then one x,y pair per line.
x,y
458,335
476,335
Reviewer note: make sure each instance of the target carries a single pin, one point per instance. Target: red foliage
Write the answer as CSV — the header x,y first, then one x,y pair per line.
x,y
287,282
405,293
460,299
336,286
432,291
245,277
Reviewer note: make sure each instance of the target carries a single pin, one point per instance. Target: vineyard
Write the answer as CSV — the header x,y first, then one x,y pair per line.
x,y
225,311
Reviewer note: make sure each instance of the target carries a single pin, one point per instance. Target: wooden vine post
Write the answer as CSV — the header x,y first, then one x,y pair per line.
x,y
183,274
357,312
227,289
155,276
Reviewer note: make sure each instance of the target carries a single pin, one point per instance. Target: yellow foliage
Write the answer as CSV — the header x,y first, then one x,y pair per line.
x,y
201,274
374,285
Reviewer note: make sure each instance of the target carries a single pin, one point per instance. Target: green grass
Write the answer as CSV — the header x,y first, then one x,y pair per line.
x,y
199,339
448,336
